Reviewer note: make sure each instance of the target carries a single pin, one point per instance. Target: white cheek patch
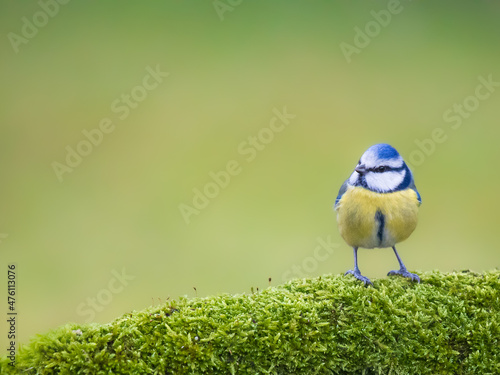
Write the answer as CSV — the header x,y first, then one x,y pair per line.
x,y
353,178
384,182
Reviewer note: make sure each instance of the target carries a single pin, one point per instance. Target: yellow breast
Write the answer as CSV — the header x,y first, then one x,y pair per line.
x,y
368,219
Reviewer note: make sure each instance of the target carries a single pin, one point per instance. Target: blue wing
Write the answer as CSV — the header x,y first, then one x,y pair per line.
x,y
414,188
342,190
409,183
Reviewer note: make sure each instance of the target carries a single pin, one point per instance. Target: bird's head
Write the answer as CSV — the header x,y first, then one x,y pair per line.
x,y
381,169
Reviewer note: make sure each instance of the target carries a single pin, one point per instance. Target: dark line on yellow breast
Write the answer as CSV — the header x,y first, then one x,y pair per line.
x,y
379,216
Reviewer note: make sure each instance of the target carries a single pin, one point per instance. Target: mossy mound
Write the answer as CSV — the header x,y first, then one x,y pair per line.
x,y
448,324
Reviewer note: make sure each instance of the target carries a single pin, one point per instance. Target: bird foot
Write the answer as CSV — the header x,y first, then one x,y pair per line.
x,y
359,276
404,272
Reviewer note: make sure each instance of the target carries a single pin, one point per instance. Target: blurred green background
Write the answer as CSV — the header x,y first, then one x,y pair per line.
x,y
230,64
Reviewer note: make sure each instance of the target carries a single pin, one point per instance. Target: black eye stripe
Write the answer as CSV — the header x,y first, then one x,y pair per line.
x,y
385,169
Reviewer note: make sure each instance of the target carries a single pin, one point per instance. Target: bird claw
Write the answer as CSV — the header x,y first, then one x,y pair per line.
x,y
405,273
359,276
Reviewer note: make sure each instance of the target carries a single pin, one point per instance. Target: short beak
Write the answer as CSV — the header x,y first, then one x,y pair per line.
x,y
360,169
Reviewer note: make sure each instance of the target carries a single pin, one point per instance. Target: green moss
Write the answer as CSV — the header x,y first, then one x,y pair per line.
x,y
448,324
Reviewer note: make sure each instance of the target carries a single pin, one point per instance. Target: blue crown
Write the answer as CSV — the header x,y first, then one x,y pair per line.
x,y
384,151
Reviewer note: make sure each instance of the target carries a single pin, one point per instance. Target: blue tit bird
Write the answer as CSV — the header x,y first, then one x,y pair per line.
x,y
377,205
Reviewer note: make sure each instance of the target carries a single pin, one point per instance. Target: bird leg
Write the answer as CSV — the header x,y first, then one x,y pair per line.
x,y
356,273
402,269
